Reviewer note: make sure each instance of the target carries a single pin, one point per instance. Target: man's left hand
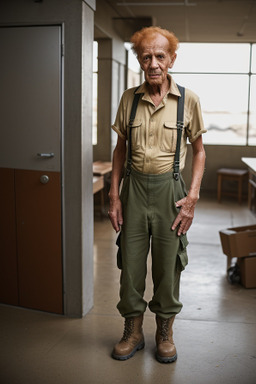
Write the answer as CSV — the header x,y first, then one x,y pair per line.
x,y
186,215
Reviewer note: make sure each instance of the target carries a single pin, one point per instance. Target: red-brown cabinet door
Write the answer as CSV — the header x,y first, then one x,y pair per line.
x,y
38,212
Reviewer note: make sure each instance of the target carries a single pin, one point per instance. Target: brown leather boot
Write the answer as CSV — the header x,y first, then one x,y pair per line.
x,y
132,340
166,351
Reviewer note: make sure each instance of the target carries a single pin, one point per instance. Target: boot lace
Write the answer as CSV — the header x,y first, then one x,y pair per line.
x,y
128,328
164,329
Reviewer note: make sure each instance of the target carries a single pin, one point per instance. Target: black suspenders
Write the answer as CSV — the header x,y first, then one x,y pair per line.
x,y
180,125
132,117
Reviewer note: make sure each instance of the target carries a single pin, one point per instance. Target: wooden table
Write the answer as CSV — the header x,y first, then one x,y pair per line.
x,y
251,163
102,168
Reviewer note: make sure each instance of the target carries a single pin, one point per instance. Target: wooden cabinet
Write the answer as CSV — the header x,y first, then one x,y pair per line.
x,y
30,240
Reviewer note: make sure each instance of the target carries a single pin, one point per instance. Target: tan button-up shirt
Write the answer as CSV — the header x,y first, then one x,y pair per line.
x,y
154,131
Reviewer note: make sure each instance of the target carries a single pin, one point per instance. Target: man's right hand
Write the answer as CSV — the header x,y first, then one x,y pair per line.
x,y
115,213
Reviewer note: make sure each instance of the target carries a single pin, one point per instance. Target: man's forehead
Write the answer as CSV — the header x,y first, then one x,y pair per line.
x,y
157,41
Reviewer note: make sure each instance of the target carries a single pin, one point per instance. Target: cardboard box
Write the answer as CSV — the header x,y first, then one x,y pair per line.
x,y
239,241
247,267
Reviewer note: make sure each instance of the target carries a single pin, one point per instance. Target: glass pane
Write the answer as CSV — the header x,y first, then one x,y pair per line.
x,y
224,102
252,127
95,56
94,108
211,57
254,58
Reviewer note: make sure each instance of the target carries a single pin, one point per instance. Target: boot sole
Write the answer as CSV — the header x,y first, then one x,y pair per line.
x,y
126,357
166,360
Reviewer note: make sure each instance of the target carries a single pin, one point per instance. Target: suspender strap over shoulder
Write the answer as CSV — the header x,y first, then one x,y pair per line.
x,y
180,125
131,120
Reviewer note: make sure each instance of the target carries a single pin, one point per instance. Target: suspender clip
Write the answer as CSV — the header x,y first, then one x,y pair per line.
x,y
176,167
176,176
180,125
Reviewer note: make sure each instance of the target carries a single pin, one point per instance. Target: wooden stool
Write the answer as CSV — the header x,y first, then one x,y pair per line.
x,y
234,175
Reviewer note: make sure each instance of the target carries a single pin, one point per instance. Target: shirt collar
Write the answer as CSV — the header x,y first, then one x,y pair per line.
x,y
174,90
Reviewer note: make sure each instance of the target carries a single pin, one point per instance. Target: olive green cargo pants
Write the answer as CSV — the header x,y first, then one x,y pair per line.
x,y
148,203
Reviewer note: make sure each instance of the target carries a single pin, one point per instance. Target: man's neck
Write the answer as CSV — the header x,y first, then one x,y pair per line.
x,y
157,92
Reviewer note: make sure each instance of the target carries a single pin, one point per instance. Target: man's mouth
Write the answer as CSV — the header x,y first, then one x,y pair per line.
x,y
154,74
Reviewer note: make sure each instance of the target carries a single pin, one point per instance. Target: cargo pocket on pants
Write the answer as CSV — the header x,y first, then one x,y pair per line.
x,y
182,257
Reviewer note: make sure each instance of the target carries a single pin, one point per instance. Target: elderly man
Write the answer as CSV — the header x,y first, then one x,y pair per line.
x,y
153,209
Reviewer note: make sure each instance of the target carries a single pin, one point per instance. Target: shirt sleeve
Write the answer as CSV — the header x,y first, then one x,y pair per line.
x,y
119,125
195,127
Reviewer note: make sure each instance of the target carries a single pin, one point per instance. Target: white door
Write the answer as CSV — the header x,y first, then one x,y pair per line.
x,y
30,78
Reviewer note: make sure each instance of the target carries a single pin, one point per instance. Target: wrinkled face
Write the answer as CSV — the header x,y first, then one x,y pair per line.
x,y
155,59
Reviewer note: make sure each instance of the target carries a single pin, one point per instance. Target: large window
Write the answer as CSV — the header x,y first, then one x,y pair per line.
x,y
252,109
224,77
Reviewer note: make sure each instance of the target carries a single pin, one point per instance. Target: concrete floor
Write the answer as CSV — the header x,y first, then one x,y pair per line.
x,y
215,334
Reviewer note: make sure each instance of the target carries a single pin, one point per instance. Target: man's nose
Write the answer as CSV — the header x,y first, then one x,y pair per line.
x,y
153,63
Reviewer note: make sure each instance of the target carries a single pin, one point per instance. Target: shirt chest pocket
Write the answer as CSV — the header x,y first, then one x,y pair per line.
x,y
136,134
168,137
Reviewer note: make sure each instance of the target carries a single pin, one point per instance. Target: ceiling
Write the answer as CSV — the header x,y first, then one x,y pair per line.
x,y
190,20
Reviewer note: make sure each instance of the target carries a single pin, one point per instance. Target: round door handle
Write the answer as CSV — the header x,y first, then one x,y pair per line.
x,y
44,179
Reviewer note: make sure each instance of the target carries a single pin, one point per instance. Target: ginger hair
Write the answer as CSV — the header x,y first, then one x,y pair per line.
x,y
149,33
